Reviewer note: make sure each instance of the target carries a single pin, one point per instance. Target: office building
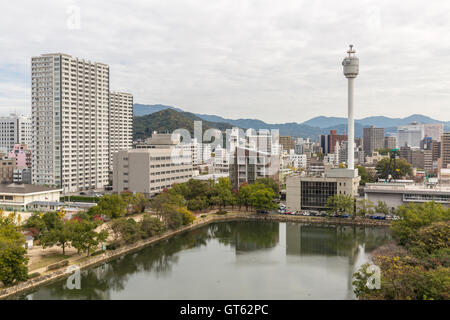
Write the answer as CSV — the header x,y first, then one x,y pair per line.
x,y
410,135
390,142
120,122
287,142
7,167
433,130
445,150
249,164
14,129
20,196
373,139
304,192
151,170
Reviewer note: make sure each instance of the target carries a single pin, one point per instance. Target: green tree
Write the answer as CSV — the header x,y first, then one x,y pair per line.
x,y
365,207
414,216
261,197
112,206
270,183
13,255
243,196
61,237
151,226
382,207
85,237
365,176
340,203
402,168
224,193
126,230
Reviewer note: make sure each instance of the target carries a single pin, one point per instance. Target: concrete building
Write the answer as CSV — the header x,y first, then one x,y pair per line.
x,y
19,196
7,167
373,139
390,142
70,112
397,194
303,192
150,170
445,150
22,156
15,129
120,122
410,134
287,142
71,115
248,164
433,130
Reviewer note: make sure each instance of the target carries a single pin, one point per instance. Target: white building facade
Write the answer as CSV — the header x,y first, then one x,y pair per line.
x,y
15,129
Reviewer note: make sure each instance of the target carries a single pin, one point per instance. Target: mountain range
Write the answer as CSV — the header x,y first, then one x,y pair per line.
x,y
310,128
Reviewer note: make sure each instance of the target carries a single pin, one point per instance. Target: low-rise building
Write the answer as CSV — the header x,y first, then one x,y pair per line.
x,y
397,194
19,196
306,192
150,171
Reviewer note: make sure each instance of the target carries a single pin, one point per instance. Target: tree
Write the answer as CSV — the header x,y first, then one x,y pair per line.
x,y
112,206
382,207
340,203
365,207
13,259
223,188
151,226
402,168
243,196
187,216
84,235
61,236
365,176
127,230
414,216
261,197
270,183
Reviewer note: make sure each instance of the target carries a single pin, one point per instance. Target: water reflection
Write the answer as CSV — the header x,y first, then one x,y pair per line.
x,y
241,260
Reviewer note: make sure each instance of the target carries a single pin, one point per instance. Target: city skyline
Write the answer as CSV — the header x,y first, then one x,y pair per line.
x,y
283,58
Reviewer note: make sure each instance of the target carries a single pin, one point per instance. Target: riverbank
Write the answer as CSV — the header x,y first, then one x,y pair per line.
x,y
210,218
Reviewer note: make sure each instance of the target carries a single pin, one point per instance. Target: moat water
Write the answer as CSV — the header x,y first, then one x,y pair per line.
x,y
233,260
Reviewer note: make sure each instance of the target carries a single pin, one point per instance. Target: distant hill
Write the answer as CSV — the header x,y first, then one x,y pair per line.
x,y
144,109
377,121
168,120
308,129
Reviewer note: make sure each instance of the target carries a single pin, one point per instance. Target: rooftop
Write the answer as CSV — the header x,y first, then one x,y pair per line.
x,y
25,188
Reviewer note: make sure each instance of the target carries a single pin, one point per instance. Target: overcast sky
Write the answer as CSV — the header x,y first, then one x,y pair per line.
x,y
279,61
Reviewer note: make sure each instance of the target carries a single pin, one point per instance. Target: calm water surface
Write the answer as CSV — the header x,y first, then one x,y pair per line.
x,y
234,260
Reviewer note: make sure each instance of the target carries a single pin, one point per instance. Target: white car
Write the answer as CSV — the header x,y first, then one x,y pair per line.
x,y
306,213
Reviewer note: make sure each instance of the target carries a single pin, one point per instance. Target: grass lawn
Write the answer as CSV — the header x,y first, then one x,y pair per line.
x,y
47,260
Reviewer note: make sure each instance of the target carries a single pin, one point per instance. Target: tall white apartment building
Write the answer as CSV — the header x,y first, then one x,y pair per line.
x,y
70,114
120,123
15,129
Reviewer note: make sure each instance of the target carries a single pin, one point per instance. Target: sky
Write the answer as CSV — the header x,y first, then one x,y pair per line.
x,y
277,61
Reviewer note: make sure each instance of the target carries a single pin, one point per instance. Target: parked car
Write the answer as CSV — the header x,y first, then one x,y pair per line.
x,y
262,211
306,213
395,217
82,193
323,213
287,212
345,216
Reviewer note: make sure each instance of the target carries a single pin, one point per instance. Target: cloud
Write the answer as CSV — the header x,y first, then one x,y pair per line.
x,y
279,62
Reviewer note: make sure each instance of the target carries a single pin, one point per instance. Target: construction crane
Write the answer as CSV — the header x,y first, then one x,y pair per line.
x,y
390,173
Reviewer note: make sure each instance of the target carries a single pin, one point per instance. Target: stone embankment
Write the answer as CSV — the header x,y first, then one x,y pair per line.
x,y
110,255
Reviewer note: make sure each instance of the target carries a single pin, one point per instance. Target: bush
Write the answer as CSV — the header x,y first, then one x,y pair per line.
x,y
151,226
203,216
34,275
127,230
58,265
221,212
113,246
174,220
